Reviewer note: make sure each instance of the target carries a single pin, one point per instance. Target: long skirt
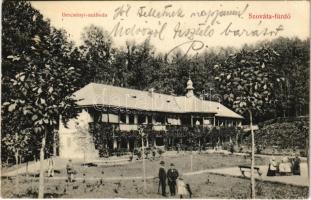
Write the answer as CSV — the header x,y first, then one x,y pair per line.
x,y
271,172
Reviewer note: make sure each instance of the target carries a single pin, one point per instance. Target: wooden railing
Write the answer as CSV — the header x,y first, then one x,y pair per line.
x,y
128,127
159,127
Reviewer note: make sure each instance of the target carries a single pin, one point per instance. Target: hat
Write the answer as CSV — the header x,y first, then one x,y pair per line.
x,y
172,164
162,162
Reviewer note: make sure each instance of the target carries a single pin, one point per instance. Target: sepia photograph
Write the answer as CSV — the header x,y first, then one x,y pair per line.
x,y
155,99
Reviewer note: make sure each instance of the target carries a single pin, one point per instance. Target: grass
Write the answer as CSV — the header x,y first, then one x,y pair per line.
x,y
182,163
203,185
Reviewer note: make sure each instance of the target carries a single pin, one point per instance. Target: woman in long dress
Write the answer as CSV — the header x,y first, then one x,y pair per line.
x,y
296,165
285,167
272,167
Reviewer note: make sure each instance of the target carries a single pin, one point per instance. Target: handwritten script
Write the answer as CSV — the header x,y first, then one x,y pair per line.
x,y
169,22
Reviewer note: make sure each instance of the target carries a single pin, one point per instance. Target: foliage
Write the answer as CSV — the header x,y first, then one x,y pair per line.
x,y
285,135
37,77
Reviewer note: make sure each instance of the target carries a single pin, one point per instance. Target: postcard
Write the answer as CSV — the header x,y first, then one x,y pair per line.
x,y
155,99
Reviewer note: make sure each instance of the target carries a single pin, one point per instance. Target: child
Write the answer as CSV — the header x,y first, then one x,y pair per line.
x,y
182,189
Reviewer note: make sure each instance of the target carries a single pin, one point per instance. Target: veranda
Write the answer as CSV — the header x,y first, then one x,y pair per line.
x,y
115,131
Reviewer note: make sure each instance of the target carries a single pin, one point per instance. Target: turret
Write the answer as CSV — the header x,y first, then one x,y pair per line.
x,y
189,89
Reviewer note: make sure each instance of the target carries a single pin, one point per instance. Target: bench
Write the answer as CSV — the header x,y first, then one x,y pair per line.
x,y
243,168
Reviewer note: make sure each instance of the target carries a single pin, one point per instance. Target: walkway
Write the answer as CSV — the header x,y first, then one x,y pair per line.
x,y
232,171
301,180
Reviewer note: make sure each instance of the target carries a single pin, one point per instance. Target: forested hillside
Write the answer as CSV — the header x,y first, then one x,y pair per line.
x,y
140,66
41,68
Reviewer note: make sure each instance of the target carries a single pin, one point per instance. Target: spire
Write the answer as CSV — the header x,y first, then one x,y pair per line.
x,y
189,88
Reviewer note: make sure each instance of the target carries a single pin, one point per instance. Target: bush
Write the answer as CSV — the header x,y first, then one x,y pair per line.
x,y
284,135
160,151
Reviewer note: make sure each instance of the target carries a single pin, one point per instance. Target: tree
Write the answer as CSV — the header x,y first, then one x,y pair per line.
x,y
249,78
97,53
38,79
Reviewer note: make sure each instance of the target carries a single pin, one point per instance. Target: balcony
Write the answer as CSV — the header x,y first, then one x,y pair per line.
x,y
128,127
159,127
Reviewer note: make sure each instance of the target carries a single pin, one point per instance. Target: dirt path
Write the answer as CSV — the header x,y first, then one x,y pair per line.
x,y
301,180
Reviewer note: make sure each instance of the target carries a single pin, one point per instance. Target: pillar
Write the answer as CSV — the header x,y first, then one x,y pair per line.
x,y
115,144
147,142
191,121
146,119
128,144
214,121
153,120
154,142
127,118
135,119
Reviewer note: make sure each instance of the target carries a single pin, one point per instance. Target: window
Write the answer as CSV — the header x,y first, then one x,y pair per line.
x,y
160,119
123,118
149,119
185,121
141,119
131,119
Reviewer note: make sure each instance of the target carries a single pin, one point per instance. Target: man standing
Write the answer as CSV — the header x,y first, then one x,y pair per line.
x,y
70,170
51,167
172,175
162,179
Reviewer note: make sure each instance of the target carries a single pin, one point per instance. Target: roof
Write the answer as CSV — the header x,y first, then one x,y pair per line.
x,y
95,94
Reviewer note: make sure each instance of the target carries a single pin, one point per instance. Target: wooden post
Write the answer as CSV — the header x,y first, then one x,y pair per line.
x,y
191,158
143,157
191,121
214,123
41,178
17,171
253,156
146,119
127,119
27,173
135,119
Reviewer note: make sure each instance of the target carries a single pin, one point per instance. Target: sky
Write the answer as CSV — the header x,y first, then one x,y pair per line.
x,y
192,26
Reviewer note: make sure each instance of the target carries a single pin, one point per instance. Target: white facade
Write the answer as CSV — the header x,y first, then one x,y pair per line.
x,y
75,139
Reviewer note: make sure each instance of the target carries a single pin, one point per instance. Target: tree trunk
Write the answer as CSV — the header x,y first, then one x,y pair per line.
x,y
253,157
27,173
17,171
41,178
55,143
307,151
191,159
144,166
